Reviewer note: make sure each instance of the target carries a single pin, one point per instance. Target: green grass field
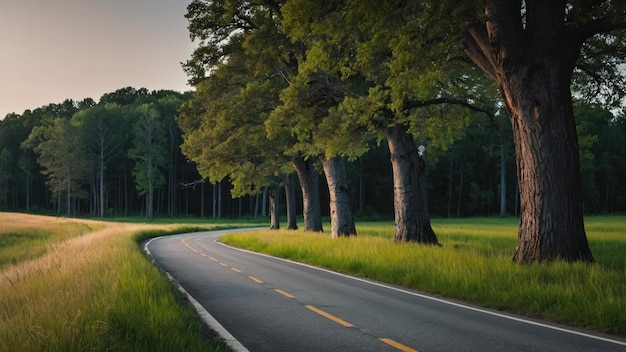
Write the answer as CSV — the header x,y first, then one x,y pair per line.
x,y
71,284
475,265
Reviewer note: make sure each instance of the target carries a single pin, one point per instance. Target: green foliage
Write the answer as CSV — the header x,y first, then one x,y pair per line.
x,y
223,125
5,176
62,158
149,151
278,78
402,55
600,136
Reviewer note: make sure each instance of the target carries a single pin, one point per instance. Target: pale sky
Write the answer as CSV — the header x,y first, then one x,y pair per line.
x,y
52,50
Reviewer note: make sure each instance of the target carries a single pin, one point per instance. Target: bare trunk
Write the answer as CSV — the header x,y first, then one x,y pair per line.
x,y
412,219
341,218
256,206
27,193
502,176
69,189
102,209
551,218
533,65
264,203
290,199
214,201
309,185
202,194
272,193
450,188
219,200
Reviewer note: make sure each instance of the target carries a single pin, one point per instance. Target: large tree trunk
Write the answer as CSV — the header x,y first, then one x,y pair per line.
x,y
290,199
551,218
412,219
341,218
309,185
533,67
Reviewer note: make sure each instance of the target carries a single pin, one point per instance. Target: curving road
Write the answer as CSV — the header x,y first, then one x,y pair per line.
x,y
261,303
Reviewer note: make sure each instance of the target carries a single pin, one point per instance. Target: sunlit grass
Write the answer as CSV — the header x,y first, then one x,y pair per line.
x,y
475,264
27,238
91,288
96,291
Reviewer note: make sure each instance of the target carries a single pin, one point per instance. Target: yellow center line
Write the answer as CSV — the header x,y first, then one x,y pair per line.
x,y
235,269
188,246
331,317
213,259
223,264
203,254
398,345
255,279
288,295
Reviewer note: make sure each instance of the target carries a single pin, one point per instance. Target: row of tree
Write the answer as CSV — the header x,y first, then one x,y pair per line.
x,y
300,83
472,176
295,85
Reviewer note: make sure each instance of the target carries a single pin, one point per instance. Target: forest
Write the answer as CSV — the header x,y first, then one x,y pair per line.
x,y
464,176
398,109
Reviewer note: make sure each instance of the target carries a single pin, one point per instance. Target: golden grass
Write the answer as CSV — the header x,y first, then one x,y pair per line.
x,y
71,297
23,237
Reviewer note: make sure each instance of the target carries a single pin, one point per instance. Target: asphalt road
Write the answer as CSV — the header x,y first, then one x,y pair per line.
x,y
261,303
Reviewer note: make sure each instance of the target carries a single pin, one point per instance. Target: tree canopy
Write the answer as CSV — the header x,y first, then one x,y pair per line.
x,y
446,93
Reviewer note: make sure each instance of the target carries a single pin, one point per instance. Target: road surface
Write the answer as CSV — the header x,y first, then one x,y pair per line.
x,y
261,303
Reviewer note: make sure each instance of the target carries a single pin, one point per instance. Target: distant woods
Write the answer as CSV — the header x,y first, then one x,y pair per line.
x,y
121,156
409,109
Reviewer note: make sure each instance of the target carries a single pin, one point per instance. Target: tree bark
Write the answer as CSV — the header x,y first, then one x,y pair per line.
x,y
533,65
502,175
309,185
341,217
290,199
272,192
412,219
69,188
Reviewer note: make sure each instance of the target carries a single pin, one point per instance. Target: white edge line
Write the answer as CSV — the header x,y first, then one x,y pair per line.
x,y
206,317
521,320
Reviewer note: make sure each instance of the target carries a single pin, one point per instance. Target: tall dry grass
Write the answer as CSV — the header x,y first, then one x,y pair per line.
x,y
94,291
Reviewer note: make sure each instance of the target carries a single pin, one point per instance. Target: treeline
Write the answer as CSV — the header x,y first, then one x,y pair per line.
x,y
115,157
97,151
403,107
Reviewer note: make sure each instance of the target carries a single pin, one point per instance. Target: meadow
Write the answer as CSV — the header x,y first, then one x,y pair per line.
x,y
474,264
74,285
71,284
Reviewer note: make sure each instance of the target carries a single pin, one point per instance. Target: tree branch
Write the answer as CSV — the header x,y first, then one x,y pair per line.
x,y
412,104
475,43
601,25
192,184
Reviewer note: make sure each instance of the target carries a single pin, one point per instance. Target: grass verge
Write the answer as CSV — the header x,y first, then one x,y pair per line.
x,y
94,291
475,265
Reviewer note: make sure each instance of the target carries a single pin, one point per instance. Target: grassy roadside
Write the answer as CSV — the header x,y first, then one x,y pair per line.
x,y
475,265
89,287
